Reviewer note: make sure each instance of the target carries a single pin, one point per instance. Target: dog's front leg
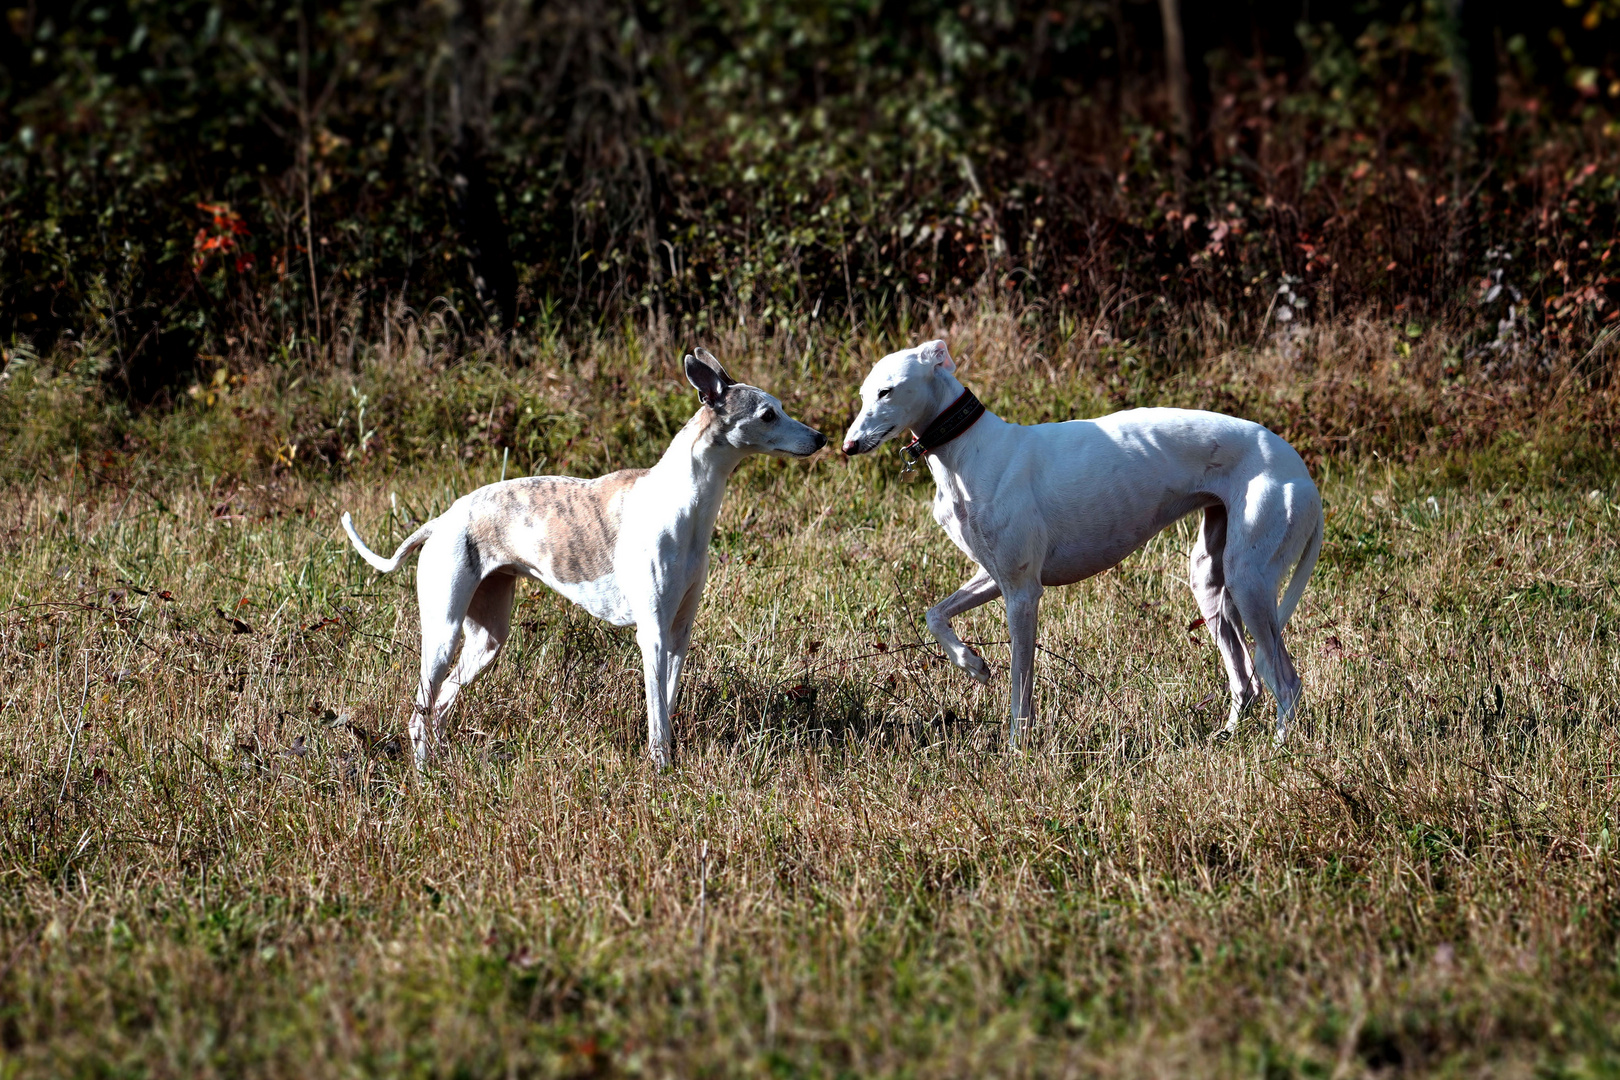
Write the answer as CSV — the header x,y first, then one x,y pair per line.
x,y
680,639
981,589
1023,607
656,664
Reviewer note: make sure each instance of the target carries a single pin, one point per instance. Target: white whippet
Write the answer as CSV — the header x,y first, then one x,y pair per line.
x,y
629,547
1056,503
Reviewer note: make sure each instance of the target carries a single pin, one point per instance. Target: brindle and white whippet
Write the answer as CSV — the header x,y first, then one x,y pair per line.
x,y
629,547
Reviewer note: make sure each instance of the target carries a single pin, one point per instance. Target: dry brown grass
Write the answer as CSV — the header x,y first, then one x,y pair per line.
x,y
1342,390
228,869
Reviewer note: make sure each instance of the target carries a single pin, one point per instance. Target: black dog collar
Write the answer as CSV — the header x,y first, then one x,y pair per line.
x,y
963,413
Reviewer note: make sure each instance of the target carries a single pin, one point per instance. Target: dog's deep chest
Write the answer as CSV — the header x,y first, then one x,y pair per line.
x,y
959,514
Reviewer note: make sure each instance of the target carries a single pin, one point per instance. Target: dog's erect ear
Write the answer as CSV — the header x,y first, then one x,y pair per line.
x,y
936,356
706,375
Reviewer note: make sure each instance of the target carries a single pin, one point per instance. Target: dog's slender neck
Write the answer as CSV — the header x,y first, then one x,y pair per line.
x,y
944,388
700,462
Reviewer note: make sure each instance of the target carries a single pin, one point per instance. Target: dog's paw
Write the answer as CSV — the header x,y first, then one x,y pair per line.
x,y
974,665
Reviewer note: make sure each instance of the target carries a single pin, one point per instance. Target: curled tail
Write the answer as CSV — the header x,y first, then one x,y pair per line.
x,y
412,542
1302,570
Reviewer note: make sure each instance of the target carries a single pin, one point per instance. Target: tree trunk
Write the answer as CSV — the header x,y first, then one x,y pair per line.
x,y
1175,77
476,196
1125,61
1472,42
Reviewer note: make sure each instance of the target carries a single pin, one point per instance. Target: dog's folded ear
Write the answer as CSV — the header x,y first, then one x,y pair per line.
x,y
936,355
706,375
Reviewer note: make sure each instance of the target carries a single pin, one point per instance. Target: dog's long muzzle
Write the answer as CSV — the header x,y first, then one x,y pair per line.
x,y
806,442
864,445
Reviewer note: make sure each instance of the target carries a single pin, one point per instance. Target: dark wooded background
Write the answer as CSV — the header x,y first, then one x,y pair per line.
x,y
252,179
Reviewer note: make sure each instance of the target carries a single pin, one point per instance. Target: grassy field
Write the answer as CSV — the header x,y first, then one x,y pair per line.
x,y
215,861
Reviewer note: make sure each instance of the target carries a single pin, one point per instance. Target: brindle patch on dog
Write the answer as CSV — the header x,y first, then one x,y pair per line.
x,y
573,523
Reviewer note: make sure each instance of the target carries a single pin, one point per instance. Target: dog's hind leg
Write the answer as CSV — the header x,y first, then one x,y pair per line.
x,y
1256,596
484,630
446,581
1285,535
980,589
1208,579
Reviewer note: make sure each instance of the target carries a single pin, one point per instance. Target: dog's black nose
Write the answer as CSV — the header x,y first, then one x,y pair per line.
x,y
821,440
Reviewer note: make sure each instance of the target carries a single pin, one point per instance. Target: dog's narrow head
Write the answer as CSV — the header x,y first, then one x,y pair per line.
x,y
746,418
903,391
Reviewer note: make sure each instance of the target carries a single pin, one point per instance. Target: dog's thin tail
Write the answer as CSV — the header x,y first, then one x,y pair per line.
x,y
1302,570
412,542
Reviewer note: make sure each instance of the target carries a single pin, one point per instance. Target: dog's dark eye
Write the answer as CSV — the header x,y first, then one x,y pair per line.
x,y
769,416
885,391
